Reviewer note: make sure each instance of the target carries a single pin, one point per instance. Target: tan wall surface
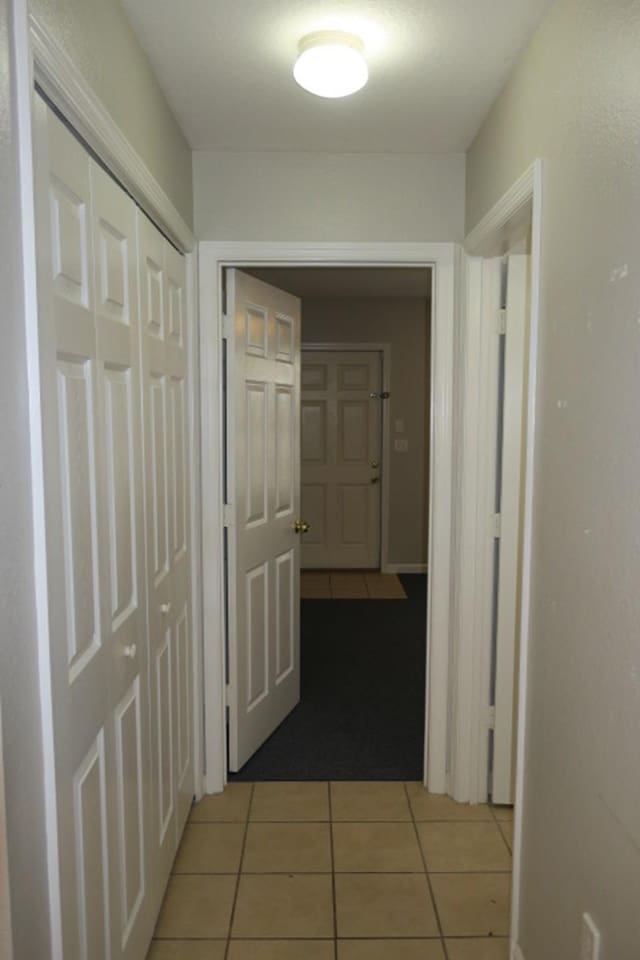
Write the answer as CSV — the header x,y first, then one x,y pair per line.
x,y
329,196
97,36
573,101
404,324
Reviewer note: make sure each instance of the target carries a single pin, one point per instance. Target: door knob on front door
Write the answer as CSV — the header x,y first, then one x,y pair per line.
x,y
301,526
130,651
375,479
165,607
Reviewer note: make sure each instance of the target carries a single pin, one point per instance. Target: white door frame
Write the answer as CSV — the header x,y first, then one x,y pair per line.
x,y
384,349
472,639
442,258
40,61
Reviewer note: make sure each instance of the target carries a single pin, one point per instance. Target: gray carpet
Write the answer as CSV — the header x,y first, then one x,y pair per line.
x,y
361,715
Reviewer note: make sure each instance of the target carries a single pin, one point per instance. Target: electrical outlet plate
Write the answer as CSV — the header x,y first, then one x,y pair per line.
x,y
590,946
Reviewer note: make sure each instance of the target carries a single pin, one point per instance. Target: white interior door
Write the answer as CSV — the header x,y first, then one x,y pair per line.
x,y
263,493
164,376
510,505
91,445
341,458
113,361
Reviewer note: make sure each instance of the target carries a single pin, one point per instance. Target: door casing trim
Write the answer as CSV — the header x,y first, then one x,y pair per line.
x,y
443,258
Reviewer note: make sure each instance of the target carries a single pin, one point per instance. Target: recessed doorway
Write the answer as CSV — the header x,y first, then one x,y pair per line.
x,y
363,468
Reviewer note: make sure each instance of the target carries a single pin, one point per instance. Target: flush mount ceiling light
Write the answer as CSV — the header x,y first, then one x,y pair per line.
x,y
331,64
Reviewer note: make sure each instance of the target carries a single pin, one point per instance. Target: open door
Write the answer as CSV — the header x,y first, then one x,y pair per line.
x,y
510,462
263,497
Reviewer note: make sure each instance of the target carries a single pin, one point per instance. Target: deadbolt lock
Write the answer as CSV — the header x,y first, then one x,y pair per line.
x,y
301,526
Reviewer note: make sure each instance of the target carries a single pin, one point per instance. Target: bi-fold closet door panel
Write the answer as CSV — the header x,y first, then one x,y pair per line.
x,y
93,444
164,378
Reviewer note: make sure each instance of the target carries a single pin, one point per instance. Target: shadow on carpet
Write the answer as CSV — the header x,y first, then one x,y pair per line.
x,y
361,714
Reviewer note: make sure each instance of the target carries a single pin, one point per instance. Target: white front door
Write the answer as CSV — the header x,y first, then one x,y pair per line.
x,y
263,496
341,458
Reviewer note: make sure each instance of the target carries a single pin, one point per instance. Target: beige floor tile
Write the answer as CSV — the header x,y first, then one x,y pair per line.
x,y
384,905
290,801
281,950
210,848
284,906
315,586
390,950
503,813
384,586
348,586
187,950
287,848
454,846
198,907
435,806
506,827
371,847
369,801
473,904
487,948
232,805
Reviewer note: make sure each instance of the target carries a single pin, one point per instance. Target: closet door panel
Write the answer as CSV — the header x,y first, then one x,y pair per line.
x,y
117,320
77,577
177,367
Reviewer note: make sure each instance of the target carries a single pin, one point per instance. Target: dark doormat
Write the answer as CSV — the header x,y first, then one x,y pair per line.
x,y
361,715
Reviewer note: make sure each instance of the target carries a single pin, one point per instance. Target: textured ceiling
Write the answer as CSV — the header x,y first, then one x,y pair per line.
x,y
435,68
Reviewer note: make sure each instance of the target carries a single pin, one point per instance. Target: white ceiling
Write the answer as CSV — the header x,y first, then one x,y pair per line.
x,y
435,68
346,283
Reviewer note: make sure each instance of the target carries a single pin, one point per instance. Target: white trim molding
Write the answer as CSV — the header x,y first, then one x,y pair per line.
x,y
505,211
442,257
521,203
63,84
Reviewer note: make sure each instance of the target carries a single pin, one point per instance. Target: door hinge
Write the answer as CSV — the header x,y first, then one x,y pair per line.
x,y
228,517
226,327
496,521
491,718
501,322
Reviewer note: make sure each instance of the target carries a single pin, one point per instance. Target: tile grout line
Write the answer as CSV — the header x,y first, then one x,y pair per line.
x,y
428,878
501,832
242,850
333,875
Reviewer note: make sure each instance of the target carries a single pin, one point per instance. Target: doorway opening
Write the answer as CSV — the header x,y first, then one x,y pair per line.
x,y
363,415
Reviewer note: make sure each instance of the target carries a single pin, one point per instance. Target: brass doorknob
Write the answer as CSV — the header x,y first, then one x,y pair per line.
x,y
301,526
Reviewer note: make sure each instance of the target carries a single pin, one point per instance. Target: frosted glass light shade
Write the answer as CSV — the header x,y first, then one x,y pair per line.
x,y
331,64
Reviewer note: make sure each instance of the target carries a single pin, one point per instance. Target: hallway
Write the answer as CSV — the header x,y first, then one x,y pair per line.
x,y
314,871
361,713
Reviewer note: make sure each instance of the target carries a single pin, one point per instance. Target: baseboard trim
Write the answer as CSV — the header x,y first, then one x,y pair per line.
x,y
404,568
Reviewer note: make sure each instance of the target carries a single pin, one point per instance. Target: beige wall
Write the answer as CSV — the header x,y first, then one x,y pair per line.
x,y
329,196
97,36
19,680
404,324
573,101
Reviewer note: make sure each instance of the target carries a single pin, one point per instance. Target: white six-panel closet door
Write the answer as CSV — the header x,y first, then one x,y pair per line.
x,y
114,692
164,364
